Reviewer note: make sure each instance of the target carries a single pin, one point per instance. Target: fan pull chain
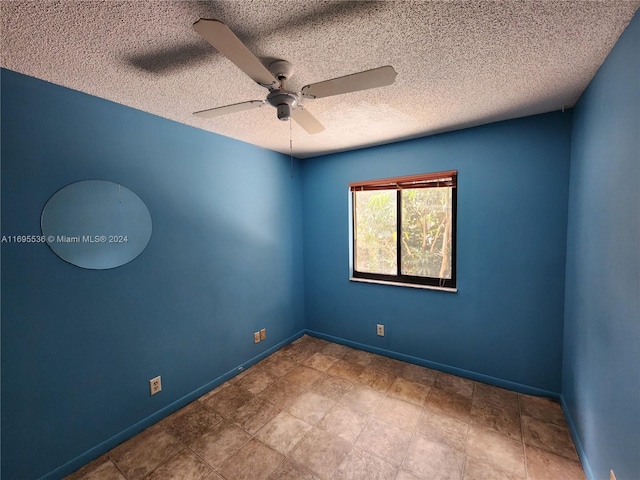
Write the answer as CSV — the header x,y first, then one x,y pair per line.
x,y
291,147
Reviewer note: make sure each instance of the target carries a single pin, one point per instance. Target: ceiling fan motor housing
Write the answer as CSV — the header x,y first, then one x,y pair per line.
x,y
284,101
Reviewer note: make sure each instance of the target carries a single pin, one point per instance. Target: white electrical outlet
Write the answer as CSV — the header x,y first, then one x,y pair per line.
x,y
256,337
263,334
380,330
155,385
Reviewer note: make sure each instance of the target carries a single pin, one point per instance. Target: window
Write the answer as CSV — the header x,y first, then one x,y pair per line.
x,y
404,229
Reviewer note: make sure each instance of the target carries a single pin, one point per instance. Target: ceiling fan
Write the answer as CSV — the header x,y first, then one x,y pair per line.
x,y
287,102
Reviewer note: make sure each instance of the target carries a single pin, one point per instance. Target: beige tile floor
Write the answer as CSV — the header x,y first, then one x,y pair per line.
x,y
319,410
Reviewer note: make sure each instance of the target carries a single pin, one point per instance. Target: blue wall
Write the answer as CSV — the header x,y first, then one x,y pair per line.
x,y
79,346
601,372
505,323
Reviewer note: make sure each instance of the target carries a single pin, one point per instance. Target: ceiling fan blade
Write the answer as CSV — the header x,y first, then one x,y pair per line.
x,y
378,77
306,120
236,107
226,42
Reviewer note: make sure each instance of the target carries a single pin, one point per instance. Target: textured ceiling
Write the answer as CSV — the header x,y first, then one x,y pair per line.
x,y
459,63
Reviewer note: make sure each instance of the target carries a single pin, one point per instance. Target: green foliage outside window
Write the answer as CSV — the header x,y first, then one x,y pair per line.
x,y
376,232
426,231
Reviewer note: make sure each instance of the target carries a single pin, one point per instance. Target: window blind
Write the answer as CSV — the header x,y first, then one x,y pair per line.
x,y
430,180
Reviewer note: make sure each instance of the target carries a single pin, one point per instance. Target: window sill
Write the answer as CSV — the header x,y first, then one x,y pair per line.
x,y
400,284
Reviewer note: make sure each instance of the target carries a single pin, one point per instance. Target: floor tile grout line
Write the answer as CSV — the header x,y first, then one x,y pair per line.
x,y
254,436
116,465
167,460
195,454
406,452
524,448
308,389
465,455
466,439
352,384
414,432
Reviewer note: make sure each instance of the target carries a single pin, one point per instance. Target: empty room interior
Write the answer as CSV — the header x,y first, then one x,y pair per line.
x,y
298,240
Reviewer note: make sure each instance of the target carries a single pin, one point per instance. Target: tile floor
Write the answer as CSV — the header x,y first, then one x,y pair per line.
x,y
319,410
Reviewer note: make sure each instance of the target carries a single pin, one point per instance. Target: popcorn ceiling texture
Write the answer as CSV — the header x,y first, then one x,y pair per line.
x,y
459,63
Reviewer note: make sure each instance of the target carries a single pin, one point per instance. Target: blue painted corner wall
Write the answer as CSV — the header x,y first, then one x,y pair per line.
x,y
601,370
224,260
505,322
